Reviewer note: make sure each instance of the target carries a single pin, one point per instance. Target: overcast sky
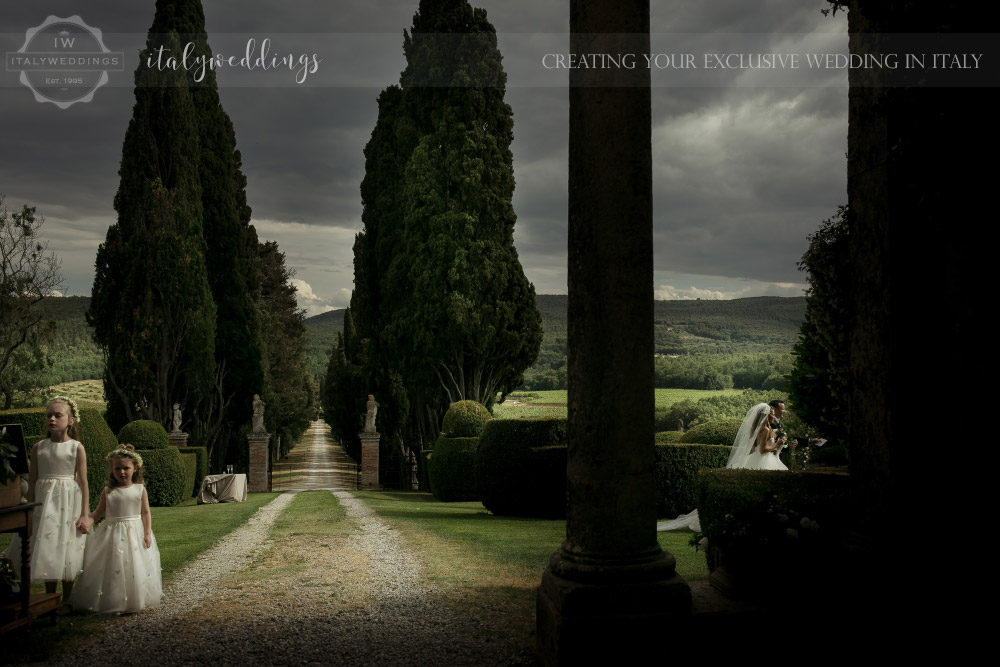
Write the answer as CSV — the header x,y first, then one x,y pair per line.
x,y
747,162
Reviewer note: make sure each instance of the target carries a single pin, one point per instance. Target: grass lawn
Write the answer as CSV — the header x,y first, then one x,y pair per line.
x,y
517,547
552,403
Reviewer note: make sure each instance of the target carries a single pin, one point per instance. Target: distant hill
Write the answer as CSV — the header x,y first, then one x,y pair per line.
x,y
322,333
738,326
72,350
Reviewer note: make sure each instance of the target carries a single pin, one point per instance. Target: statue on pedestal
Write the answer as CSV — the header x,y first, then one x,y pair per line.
x,y
371,408
258,414
177,419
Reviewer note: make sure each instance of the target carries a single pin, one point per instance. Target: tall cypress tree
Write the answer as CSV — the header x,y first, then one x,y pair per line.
x,y
151,307
207,154
440,295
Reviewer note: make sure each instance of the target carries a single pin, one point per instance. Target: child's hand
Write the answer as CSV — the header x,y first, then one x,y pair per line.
x,y
147,540
84,524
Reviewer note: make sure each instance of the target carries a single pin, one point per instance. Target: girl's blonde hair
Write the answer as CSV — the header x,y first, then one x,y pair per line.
x,y
125,452
74,412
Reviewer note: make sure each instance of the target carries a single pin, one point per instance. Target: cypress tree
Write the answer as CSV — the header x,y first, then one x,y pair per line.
x,y
206,152
151,306
440,296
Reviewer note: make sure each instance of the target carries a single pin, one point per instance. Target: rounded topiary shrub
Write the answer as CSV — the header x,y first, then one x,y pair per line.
x,y
452,469
675,472
96,436
515,476
144,434
721,432
164,475
465,419
668,436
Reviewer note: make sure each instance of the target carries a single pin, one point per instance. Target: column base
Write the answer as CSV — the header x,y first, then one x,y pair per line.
x,y
178,439
612,613
369,460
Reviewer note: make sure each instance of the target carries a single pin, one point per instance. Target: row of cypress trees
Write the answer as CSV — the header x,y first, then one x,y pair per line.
x,y
177,297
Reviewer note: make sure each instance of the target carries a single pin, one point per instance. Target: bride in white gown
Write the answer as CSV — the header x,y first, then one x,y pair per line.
x,y
755,447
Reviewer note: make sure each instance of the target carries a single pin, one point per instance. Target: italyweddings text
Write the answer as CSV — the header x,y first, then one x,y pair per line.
x,y
303,65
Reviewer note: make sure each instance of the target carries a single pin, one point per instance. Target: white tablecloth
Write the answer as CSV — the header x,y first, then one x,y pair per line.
x,y
228,488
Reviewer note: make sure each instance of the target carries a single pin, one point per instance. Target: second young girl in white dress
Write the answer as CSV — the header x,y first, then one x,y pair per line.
x,y
121,567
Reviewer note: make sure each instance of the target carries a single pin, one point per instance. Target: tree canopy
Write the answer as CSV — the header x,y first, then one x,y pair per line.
x,y
442,309
29,272
174,303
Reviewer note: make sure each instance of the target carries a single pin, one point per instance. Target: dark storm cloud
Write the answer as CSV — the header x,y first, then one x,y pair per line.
x,y
743,170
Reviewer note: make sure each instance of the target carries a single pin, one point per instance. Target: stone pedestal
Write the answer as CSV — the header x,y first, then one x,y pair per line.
x,y
257,475
178,439
369,460
609,592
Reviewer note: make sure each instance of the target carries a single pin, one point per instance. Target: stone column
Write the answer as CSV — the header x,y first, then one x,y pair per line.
x,y
609,591
257,475
177,439
369,460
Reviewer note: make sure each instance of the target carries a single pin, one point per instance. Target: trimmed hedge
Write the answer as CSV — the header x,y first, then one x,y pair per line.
x,y
144,434
664,437
452,469
721,432
164,475
190,462
517,479
201,468
676,469
96,436
465,419
755,519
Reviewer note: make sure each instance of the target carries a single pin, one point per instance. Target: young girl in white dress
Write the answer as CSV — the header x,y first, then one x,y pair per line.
x,y
58,480
121,570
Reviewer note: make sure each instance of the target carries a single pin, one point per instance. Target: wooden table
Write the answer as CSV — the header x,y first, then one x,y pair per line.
x,y
22,609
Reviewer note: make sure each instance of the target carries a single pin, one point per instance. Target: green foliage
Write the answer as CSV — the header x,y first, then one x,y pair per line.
x,y
456,320
666,437
201,463
676,473
722,432
144,434
190,463
181,258
164,475
28,274
762,517
452,469
729,405
288,389
818,381
515,478
97,438
465,419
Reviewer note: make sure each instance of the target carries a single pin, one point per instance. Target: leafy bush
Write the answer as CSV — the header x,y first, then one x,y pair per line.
x,y
425,466
190,463
726,406
756,518
97,438
164,476
201,467
721,432
465,419
676,473
452,469
664,437
144,434
514,477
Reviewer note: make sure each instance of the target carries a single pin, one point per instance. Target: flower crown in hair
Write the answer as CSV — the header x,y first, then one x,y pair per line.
x,y
71,403
126,451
